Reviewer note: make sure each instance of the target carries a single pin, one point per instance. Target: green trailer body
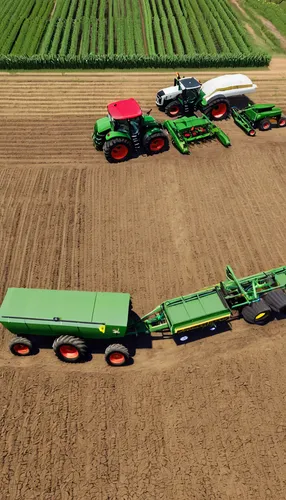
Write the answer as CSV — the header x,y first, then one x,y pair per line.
x,y
260,116
185,131
89,315
221,302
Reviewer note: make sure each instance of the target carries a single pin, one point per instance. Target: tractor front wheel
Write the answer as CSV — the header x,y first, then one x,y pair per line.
x,y
257,313
116,355
155,143
118,149
218,109
265,125
281,122
70,349
20,346
174,109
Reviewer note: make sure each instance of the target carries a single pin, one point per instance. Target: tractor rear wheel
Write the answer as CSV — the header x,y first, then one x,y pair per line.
x,y
116,355
174,109
70,349
276,300
218,109
281,122
117,149
20,346
155,143
265,125
257,313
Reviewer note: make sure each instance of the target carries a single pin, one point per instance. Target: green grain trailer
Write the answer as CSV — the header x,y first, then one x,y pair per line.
x,y
261,116
73,318
185,131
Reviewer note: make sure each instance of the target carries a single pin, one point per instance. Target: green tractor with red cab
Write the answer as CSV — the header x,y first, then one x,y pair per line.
x,y
126,132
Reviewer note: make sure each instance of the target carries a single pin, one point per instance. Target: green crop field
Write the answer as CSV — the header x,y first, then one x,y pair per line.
x,y
124,33
274,11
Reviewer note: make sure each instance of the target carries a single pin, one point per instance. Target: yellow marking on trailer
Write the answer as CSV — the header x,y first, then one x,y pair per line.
x,y
102,328
201,323
233,87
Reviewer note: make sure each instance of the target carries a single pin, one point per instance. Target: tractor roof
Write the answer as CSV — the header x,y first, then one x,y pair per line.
x,y
125,109
189,83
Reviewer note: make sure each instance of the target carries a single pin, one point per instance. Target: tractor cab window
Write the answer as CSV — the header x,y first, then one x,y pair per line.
x,y
191,95
122,126
135,125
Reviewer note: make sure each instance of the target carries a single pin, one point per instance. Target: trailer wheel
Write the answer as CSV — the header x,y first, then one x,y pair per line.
x,y
281,122
155,143
276,300
265,125
251,132
117,149
116,355
20,346
174,109
218,109
70,349
257,313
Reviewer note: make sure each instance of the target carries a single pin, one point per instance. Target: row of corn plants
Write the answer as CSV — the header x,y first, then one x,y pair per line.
x,y
71,29
133,62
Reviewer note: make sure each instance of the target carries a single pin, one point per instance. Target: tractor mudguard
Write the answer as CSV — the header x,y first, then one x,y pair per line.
x,y
114,134
151,130
102,126
150,122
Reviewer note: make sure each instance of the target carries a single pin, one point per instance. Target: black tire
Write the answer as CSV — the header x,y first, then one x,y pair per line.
x,y
174,109
112,149
276,300
257,313
156,143
281,122
265,125
217,109
70,349
116,349
20,346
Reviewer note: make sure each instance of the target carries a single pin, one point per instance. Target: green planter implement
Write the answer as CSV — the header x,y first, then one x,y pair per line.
x,y
261,116
185,131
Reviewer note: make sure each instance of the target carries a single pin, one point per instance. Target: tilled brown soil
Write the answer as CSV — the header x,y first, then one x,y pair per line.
x,y
202,421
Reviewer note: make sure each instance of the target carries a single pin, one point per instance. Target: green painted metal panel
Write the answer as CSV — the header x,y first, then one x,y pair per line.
x,y
192,310
102,125
88,314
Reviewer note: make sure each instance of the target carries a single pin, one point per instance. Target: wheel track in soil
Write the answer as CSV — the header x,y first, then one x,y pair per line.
x,y
206,417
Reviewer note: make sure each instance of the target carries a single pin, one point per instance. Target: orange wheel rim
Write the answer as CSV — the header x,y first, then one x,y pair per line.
x,y
69,351
266,126
119,152
282,123
117,358
21,349
219,110
174,110
157,144
252,132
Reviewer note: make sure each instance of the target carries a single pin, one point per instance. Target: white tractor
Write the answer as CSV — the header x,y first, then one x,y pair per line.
x,y
189,95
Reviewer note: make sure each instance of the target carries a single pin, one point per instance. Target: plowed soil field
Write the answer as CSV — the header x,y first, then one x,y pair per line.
x,y
201,421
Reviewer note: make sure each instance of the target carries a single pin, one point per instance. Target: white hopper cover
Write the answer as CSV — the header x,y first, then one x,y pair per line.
x,y
226,82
